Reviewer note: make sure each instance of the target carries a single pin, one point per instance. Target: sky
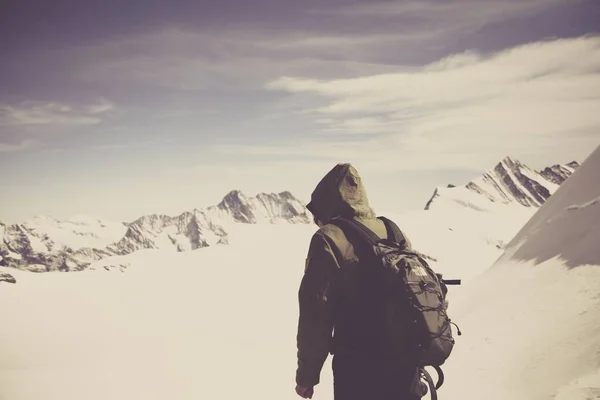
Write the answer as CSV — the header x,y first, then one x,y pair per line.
x,y
119,109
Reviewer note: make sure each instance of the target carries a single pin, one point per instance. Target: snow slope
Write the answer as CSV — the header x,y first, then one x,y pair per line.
x,y
531,323
529,333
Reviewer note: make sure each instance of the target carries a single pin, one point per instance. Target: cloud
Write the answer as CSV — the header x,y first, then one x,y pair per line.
x,y
124,146
464,109
101,107
22,146
31,113
192,60
349,42
465,12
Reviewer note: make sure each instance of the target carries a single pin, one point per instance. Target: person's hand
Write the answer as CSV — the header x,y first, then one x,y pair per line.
x,y
305,393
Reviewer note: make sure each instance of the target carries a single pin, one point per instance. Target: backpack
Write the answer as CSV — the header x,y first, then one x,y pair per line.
x,y
411,305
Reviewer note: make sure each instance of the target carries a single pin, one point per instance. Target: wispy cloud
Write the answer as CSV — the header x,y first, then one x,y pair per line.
x,y
536,96
121,146
54,113
186,112
191,60
22,146
101,107
467,12
350,41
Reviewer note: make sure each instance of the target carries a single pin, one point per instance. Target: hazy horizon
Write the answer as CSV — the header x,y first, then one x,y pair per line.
x,y
159,108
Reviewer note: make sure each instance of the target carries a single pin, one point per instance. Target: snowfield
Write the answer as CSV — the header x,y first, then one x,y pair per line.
x,y
214,323
220,322
529,332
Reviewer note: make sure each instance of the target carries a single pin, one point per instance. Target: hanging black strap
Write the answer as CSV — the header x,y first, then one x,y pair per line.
x,y
433,387
440,373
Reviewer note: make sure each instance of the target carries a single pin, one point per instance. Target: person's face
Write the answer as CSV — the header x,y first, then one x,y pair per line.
x,y
317,222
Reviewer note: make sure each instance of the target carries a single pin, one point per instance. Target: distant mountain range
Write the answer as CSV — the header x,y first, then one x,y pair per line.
x,y
46,244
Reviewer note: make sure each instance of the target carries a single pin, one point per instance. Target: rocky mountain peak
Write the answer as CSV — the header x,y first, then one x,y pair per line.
x,y
234,196
510,181
237,205
557,173
286,196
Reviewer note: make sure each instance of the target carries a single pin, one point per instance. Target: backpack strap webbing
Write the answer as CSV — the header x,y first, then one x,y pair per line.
x,y
393,230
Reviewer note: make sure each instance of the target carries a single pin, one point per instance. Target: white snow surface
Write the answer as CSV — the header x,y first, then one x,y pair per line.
x,y
220,322
529,332
76,232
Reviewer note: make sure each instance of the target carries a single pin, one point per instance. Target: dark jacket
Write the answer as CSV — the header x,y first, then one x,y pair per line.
x,y
340,193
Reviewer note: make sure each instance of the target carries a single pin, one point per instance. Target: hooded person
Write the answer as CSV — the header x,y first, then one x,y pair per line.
x,y
328,297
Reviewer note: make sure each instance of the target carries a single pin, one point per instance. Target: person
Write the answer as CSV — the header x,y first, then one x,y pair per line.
x,y
325,296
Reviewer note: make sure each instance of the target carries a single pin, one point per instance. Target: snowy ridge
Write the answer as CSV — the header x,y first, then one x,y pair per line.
x,y
264,207
534,316
188,231
46,244
563,227
510,182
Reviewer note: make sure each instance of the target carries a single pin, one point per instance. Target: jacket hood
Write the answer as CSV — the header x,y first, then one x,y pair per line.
x,y
341,192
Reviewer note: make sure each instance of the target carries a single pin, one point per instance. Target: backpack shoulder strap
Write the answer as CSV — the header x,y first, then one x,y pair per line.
x,y
350,225
393,230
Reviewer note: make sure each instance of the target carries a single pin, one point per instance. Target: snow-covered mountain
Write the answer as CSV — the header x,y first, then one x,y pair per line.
x,y
531,321
567,226
46,244
479,217
510,182
263,208
187,231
